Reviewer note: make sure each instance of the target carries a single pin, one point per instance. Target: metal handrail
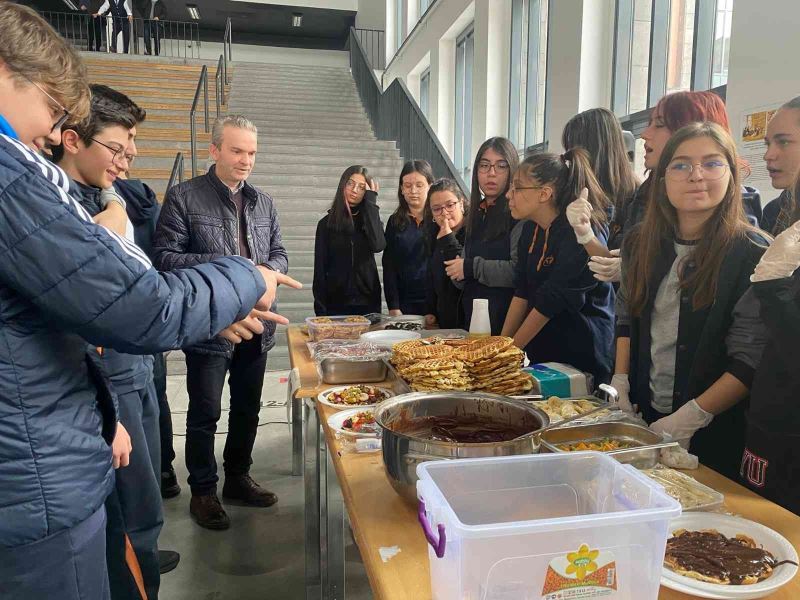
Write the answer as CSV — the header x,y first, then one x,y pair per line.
x,y
374,40
202,84
175,38
176,176
219,84
227,49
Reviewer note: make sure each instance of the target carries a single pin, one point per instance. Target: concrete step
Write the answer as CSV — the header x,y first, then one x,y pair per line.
x,y
334,112
277,360
172,135
271,171
313,129
318,181
298,92
287,161
297,243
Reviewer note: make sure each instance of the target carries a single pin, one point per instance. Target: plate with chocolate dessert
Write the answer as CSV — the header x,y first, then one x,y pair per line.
x,y
712,555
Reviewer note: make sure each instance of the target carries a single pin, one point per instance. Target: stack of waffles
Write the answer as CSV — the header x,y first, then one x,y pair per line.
x,y
490,364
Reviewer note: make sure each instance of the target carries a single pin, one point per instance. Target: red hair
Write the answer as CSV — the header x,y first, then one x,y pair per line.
x,y
681,108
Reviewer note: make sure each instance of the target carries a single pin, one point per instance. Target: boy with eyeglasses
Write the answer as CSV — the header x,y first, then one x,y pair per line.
x,y
65,281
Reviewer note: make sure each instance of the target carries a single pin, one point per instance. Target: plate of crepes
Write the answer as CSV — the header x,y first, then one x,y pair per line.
x,y
349,396
488,364
355,422
559,409
720,556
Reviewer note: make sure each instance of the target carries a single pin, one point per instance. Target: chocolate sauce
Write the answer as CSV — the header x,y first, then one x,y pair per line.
x,y
463,429
716,556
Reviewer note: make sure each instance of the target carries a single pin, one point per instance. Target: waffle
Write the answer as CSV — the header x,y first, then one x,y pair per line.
x,y
432,351
483,348
403,348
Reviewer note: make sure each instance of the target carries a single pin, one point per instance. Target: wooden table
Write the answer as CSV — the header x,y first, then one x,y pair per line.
x,y
380,519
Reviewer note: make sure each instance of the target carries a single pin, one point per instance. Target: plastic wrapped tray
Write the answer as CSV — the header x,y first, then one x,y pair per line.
x,y
343,327
692,494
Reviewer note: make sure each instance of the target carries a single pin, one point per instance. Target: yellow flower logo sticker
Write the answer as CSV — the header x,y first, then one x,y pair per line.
x,y
582,562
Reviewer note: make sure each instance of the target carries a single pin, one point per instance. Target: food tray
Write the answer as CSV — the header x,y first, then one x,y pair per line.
x,y
692,494
404,323
643,457
336,327
339,370
610,415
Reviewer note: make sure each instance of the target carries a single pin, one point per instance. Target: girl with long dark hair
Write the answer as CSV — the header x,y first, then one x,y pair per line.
x,y
559,312
445,229
490,249
671,113
687,347
405,265
348,237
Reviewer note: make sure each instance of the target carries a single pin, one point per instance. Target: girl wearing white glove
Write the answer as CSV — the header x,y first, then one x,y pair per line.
x,y
689,337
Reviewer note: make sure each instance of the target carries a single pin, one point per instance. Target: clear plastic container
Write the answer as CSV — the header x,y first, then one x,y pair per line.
x,y
692,494
344,327
543,527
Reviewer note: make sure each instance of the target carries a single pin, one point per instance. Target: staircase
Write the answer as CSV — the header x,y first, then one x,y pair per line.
x,y
165,89
311,127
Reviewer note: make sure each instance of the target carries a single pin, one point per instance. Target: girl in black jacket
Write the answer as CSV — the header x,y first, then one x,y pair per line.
x,y
405,265
689,338
444,226
345,274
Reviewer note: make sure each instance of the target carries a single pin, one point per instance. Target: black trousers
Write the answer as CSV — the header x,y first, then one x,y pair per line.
x,y
120,24
152,29
205,377
164,413
95,30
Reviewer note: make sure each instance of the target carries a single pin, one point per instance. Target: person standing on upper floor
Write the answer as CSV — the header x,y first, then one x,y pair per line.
x,y
560,312
221,214
689,336
346,278
598,131
671,113
154,11
66,281
94,24
783,164
405,267
445,230
490,249
122,19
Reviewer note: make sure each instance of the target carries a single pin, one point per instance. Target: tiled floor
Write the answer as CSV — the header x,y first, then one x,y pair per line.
x,y
261,557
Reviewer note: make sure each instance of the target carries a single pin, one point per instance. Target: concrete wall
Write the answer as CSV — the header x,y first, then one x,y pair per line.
x,y
276,54
761,71
371,15
352,5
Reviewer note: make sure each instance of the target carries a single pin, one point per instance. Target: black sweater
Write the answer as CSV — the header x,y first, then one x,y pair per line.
x,y
443,298
345,273
405,266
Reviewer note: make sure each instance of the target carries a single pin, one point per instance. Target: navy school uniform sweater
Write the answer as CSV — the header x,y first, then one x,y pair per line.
x,y
554,277
443,297
405,266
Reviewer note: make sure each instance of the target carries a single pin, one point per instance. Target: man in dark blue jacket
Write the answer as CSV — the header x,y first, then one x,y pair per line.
x,y
65,281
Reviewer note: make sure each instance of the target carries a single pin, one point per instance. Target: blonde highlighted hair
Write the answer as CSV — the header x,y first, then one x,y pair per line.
x,y
33,51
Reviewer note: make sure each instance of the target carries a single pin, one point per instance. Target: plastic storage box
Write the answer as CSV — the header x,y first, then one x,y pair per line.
x,y
344,327
543,527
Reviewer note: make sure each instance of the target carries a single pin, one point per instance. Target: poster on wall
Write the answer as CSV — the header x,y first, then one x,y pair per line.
x,y
753,128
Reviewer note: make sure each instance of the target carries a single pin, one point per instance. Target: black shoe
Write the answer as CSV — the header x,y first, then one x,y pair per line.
x,y
167,560
208,512
244,489
169,484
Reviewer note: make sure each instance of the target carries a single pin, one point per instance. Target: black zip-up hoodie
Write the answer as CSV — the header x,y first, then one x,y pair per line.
x,y
345,273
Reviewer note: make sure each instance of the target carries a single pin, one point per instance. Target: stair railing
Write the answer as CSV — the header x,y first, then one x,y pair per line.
x,y
227,49
219,81
176,176
395,115
202,85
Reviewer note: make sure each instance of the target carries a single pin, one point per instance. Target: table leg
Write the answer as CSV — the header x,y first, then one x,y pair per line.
x,y
335,535
312,500
297,436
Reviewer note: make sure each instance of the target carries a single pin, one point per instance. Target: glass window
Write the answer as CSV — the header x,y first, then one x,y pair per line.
x,y
526,112
424,91
399,17
680,44
465,48
423,6
722,43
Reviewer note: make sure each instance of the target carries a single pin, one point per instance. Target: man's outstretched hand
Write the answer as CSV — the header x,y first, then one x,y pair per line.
x,y
273,279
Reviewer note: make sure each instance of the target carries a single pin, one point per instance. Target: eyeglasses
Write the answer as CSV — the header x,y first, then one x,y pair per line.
x,y
449,207
501,166
407,187
116,153
354,185
513,188
65,113
681,170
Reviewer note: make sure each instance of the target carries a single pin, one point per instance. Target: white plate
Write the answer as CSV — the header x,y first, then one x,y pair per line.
x,y
730,526
337,419
389,337
323,397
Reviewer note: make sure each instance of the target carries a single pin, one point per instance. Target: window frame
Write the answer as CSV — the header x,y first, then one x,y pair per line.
x,y
463,101
425,92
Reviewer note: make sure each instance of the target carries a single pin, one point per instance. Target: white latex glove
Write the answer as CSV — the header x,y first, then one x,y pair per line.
x,y
605,268
620,383
683,423
782,258
579,215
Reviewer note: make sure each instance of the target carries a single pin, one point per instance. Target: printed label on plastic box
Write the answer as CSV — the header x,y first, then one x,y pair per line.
x,y
582,575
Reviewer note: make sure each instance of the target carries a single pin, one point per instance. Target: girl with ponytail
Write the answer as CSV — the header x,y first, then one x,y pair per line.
x,y
559,311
